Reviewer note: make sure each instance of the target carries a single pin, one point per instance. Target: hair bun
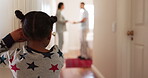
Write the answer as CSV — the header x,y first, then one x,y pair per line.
x,y
53,19
19,14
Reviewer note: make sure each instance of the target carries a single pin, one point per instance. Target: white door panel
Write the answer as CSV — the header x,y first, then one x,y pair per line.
x,y
137,56
139,61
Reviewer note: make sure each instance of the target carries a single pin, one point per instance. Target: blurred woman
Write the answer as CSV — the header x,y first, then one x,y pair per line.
x,y
61,24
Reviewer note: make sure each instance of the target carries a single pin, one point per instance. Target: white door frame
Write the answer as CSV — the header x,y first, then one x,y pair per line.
x,y
18,5
124,24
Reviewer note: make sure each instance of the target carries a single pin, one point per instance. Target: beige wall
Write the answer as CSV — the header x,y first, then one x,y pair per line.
x,y
104,55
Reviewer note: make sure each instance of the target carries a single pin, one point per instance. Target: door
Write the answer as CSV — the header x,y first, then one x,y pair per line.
x,y
139,54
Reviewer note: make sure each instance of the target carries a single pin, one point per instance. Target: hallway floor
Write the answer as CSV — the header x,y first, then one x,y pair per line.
x,y
76,72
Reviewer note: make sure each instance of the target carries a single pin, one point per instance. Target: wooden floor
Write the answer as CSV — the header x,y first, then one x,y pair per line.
x,y
76,72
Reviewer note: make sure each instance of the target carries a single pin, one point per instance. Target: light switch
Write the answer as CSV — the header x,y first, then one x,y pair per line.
x,y
114,27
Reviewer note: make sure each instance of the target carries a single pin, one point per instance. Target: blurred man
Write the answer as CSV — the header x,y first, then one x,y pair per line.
x,y
84,30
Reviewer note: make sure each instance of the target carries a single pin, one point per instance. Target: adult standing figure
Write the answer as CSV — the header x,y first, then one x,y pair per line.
x,y
84,30
60,25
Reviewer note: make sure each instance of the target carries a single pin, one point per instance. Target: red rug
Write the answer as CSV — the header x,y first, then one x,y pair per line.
x,y
71,63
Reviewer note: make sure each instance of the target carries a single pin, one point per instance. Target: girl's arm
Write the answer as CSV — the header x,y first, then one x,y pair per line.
x,y
10,39
7,42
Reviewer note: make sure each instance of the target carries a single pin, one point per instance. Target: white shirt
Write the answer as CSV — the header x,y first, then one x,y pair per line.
x,y
84,14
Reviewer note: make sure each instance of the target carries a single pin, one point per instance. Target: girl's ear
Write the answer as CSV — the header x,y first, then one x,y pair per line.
x,y
49,37
25,37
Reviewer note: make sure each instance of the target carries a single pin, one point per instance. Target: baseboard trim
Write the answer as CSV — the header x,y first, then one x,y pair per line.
x,y
98,73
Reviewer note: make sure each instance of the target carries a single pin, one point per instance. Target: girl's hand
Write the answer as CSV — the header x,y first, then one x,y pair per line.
x,y
18,35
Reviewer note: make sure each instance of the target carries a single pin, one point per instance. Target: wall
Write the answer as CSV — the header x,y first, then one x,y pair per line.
x,y
104,55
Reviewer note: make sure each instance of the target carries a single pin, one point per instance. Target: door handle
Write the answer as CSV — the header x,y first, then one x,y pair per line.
x,y
130,33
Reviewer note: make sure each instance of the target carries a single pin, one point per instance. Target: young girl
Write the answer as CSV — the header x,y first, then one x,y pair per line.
x,y
32,60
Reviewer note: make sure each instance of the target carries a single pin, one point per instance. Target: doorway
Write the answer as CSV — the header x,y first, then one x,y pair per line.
x,y
72,35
